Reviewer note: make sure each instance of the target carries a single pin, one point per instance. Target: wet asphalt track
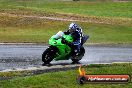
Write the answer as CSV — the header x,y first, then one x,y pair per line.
x,y
23,56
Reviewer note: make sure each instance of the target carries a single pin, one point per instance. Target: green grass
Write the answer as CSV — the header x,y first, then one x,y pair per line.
x,y
67,79
106,9
107,22
34,30
99,33
110,34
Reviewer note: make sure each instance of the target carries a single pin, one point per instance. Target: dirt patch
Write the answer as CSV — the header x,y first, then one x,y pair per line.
x,y
121,0
66,17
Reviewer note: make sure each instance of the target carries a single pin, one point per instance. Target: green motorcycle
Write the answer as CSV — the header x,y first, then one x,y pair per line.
x,y
61,51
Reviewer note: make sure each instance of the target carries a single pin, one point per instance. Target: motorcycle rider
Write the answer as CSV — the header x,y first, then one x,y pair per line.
x,y
76,32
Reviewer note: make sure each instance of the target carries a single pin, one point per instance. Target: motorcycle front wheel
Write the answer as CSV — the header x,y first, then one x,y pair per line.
x,y
48,55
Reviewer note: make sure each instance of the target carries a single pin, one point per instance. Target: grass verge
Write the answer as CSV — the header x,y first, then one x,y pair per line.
x,y
21,22
36,30
104,9
67,79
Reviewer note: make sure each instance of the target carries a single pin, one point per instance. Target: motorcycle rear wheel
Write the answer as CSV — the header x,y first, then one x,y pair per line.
x,y
77,58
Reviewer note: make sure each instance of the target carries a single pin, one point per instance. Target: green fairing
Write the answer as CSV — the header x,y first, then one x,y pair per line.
x,y
64,50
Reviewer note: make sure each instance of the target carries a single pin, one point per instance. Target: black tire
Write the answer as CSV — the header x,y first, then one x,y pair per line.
x,y
49,54
77,58
81,80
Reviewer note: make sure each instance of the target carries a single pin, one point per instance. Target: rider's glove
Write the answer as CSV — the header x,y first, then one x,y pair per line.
x,y
64,41
70,44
